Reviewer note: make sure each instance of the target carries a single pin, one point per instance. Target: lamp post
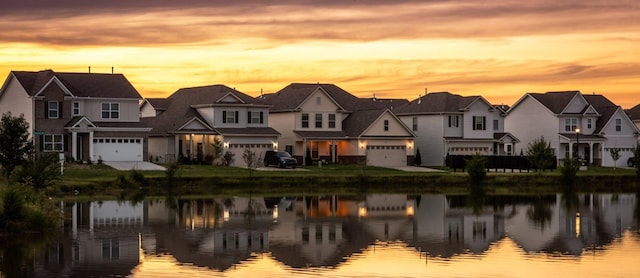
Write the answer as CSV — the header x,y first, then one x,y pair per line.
x,y
578,143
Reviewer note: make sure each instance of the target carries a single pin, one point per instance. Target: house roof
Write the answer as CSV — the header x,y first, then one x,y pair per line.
x,y
634,113
292,96
388,103
556,102
179,107
604,106
358,122
437,103
248,131
158,103
79,84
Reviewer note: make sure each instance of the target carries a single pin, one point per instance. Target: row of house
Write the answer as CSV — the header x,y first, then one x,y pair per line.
x,y
93,116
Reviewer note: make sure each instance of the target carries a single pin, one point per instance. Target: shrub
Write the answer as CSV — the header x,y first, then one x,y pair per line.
x,y
228,158
569,170
476,169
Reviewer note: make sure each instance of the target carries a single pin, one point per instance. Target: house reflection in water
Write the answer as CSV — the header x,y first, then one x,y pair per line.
x,y
107,238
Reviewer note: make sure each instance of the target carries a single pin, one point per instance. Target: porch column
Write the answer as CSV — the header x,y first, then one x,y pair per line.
x,y
304,150
74,145
591,153
333,150
570,150
190,146
176,148
204,145
90,145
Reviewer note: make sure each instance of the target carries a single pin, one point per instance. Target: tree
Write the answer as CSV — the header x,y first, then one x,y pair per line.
x,y
217,150
40,171
615,155
251,159
636,160
476,169
228,158
15,145
540,154
418,160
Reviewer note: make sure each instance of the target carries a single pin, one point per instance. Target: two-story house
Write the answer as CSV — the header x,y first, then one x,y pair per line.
x,y
634,115
87,116
576,125
187,123
450,124
327,123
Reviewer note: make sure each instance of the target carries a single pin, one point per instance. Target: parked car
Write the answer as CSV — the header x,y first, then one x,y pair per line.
x,y
631,162
280,159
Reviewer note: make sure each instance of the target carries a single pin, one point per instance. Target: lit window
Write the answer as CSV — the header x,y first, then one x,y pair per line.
x,y
110,110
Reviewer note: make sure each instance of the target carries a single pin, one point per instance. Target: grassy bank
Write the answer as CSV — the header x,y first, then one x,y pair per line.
x,y
92,180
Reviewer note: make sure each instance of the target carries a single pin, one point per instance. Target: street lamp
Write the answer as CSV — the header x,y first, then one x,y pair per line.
x,y
578,143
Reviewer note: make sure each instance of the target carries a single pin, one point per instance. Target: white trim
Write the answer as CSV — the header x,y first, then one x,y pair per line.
x,y
59,83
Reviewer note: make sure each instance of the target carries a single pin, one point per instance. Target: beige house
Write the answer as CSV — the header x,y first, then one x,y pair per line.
x,y
87,116
325,122
187,123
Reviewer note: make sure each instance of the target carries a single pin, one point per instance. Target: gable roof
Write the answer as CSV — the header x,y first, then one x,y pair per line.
x,y
634,113
157,103
180,106
556,102
438,103
605,107
293,95
79,84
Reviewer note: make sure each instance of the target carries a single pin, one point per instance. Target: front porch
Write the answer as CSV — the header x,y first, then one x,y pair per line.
x,y
586,148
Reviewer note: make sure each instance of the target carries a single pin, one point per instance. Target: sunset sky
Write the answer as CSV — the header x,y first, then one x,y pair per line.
x,y
394,49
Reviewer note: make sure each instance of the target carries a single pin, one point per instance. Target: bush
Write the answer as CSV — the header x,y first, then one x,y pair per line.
x,y
476,169
569,170
228,158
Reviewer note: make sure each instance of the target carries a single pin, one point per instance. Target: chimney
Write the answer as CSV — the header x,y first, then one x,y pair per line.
x,y
89,69
111,70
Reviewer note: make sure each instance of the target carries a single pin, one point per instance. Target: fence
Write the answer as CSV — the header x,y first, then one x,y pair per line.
x,y
496,163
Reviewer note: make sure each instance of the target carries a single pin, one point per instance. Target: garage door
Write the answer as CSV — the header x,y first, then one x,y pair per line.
x,y
117,149
386,156
238,150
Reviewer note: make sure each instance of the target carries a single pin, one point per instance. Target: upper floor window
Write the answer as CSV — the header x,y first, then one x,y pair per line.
x,y
318,100
332,120
570,124
414,123
230,117
305,120
496,125
76,108
53,109
618,124
386,125
52,143
453,120
318,120
479,123
110,110
589,123
255,117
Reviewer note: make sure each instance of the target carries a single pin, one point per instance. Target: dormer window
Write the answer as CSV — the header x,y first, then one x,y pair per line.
x,y
110,110
53,109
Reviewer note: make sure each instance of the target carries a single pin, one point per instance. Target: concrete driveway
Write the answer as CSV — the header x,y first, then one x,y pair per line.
x,y
416,169
134,165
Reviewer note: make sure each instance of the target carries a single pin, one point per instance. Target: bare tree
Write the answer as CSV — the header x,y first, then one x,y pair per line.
x,y
251,159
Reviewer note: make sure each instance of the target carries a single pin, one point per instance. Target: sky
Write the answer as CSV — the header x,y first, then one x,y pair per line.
x,y
499,49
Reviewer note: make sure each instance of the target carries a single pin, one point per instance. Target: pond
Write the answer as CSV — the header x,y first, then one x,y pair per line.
x,y
377,235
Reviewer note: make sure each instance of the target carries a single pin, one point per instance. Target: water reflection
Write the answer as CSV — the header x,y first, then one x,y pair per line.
x,y
301,235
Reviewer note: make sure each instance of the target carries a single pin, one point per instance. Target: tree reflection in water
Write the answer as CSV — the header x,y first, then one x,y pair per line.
x,y
539,213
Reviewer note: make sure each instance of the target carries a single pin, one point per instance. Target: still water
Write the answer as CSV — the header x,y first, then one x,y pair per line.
x,y
379,235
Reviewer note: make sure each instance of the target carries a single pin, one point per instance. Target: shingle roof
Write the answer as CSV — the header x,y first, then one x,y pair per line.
x,y
555,101
292,96
437,102
159,103
179,110
80,84
634,112
604,106
359,121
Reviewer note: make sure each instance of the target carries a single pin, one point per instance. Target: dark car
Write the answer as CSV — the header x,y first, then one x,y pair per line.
x,y
280,159
631,162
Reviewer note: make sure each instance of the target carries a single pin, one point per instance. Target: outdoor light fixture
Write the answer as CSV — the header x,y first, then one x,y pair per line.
x,y
275,145
226,145
578,143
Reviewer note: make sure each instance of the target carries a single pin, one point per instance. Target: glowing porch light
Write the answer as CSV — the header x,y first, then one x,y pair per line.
x,y
410,210
226,145
225,215
275,213
275,145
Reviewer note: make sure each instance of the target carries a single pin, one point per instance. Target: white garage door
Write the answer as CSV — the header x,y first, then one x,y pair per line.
x,y
117,149
385,156
238,150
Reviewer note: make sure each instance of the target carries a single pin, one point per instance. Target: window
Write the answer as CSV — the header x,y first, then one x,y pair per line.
x,y
318,100
318,120
509,149
589,123
386,125
53,109
110,110
230,117
496,125
76,108
618,125
479,122
52,143
414,123
570,124
255,117
453,120
305,120
332,120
